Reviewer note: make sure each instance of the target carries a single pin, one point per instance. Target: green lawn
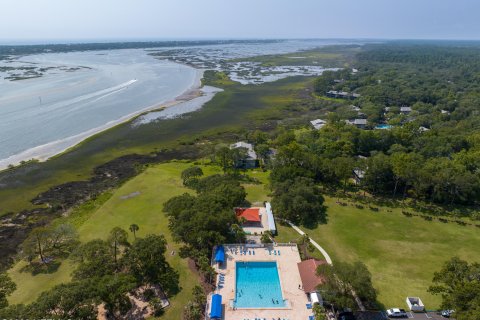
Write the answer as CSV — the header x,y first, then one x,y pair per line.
x,y
156,185
401,253
94,220
257,192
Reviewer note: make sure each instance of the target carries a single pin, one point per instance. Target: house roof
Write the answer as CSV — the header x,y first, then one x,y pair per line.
x,y
360,121
250,214
359,173
308,274
241,144
318,123
405,109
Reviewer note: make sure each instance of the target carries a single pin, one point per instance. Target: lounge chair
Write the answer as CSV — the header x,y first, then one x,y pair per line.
x,y
254,254
278,252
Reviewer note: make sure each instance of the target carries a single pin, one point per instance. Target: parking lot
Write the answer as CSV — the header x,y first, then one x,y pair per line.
x,y
423,316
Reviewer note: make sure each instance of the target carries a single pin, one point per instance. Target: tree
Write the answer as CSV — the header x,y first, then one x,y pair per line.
x,y
64,238
263,152
94,259
342,279
239,233
258,137
190,175
319,312
134,228
113,290
146,261
199,295
224,158
37,244
75,300
118,238
7,287
459,285
47,241
299,201
266,237
379,176
405,167
343,168
193,310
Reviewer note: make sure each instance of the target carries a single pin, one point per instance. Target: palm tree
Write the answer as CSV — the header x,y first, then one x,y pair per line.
x,y
134,228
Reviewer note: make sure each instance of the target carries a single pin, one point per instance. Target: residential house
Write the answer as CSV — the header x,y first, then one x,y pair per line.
x,y
318,123
250,160
355,108
358,175
342,95
405,110
360,123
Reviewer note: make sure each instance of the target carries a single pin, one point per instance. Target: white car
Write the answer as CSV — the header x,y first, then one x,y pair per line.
x,y
397,313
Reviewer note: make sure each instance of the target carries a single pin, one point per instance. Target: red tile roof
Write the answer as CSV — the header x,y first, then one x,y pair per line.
x,y
308,274
250,214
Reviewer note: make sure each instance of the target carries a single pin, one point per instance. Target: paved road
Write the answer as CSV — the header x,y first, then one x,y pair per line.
x,y
315,244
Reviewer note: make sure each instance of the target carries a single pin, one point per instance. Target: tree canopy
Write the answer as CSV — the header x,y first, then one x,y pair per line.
x,y
342,279
458,282
299,201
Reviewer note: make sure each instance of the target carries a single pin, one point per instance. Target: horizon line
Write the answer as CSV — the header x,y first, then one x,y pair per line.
x,y
59,41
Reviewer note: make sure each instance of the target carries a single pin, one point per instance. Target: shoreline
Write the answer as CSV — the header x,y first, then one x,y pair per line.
x,y
55,148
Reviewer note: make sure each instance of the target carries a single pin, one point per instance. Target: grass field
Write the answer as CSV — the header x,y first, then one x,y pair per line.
x,y
156,185
94,220
401,253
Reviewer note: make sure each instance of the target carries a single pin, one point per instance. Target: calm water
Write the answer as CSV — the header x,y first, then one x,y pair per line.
x,y
258,285
59,109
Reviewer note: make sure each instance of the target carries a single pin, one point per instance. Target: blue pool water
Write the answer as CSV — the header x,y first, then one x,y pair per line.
x,y
383,126
258,285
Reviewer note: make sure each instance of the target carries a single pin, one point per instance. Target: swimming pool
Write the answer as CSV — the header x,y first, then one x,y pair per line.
x,y
383,126
258,285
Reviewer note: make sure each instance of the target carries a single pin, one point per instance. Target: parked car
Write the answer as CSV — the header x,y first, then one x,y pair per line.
x,y
397,313
447,313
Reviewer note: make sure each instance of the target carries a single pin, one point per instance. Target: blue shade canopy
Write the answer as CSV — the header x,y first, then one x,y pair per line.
x,y
216,309
220,254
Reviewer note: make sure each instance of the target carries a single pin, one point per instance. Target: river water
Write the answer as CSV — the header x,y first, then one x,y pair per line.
x,y
82,93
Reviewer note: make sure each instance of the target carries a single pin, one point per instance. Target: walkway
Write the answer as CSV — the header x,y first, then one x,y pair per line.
x,y
328,259
315,244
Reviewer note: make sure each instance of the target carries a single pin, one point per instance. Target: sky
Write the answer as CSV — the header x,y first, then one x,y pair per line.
x,y
40,20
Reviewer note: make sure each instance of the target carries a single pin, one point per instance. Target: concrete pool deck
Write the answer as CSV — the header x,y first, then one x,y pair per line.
x,y
289,281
